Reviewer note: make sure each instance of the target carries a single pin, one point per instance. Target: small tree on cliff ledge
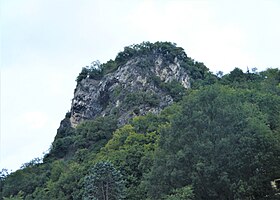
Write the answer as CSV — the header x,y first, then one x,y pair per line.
x,y
104,183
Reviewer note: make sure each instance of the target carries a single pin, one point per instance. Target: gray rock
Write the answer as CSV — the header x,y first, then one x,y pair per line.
x,y
129,91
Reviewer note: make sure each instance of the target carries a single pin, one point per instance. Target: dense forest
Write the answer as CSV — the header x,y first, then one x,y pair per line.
x,y
220,139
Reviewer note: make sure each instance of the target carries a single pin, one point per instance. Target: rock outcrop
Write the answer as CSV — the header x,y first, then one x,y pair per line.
x,y
134,88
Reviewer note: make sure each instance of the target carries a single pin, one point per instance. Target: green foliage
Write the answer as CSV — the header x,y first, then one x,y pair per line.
x,y
19,196
67,185
24,181
104,182
61,147
167,49
271,81
148,123
64,182
108,67
96,133
92,73
185,193
65,128
268,103
131,151
83,74
173,88
199,74
95,71
220,145
128,158
139,98
238,79
90,135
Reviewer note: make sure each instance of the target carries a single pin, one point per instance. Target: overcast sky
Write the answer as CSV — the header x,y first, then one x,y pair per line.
x,y
45,43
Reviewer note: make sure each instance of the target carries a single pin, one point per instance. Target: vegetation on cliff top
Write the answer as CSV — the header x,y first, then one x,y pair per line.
x,y
198,72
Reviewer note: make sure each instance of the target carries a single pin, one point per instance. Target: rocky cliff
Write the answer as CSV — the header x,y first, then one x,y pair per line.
x,y
135,88
143,78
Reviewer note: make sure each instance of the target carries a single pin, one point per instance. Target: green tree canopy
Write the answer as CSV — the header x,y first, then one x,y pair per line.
x,y
219,144
104,182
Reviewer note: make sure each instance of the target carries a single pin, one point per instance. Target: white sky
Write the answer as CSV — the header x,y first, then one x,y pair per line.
x,y
45,43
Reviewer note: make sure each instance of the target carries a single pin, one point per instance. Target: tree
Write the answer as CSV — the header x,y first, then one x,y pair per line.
x,y
95,65
131,153
220,145
19,196
185,193
104,182
83,74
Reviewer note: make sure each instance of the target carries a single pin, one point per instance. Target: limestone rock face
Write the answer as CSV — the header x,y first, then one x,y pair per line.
x,y
135,88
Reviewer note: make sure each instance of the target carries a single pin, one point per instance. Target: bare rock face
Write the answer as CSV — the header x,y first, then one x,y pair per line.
x,y
135,88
